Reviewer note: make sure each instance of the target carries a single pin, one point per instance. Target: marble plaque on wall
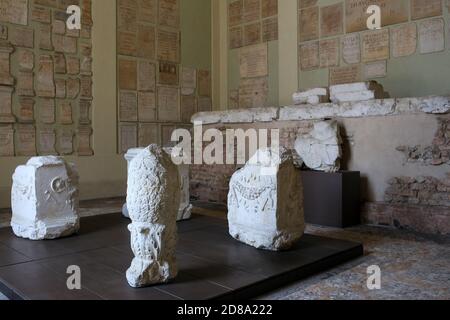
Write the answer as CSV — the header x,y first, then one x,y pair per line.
x,y
65,141
309,56
147,106
14,11
127,15
65,113
72,88
269,8
26,110
168,46
6,141
252,34
146,42
166,135
254,61
332,20
188,108
127,74
375,45
252,10
26,140
188,80
128,106
169,13
168,73
351,48
425,8
309,24
374,70
329,53
45,86
127,43
47,141
253,93
306,3
404,40
84,141
235,37
235,11
347,74
392,12
431,36
168,104
270,29
147,11
146,76
128,134
47,111
148,134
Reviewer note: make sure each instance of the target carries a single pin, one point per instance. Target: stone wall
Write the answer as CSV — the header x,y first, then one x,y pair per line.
x,y
372,131
156,93
45,79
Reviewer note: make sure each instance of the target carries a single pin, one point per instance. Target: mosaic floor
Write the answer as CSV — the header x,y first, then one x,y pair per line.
x,y
412,266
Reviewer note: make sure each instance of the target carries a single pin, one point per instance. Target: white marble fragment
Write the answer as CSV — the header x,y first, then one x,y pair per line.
x,y
359,91
353,96
321,149
185,210
265,202
153,200
45,199
358,109
311,96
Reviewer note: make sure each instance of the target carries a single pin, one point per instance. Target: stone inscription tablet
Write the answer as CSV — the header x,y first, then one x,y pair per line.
x,y
375,45
253,61
392,12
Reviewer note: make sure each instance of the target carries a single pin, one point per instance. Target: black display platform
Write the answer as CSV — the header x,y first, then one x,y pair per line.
x,y
332,199
212,265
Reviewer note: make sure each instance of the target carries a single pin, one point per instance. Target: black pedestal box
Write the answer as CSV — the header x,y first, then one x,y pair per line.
x,y
332,199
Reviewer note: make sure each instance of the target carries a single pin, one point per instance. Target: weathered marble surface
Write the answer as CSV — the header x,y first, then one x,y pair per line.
x,y
311,96
185,210
153,200
321,149
45,199
371,108
265,202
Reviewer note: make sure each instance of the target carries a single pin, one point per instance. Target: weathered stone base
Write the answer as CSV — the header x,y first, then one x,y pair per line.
x,y
266,239
42,231
432,220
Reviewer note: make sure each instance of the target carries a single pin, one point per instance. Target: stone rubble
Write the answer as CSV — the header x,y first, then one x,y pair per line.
x,y
153,201
45,199
265,202
312,96
359,91
321,149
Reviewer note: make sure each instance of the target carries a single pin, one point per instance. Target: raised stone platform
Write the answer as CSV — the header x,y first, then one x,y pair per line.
x,y
212,265
371,108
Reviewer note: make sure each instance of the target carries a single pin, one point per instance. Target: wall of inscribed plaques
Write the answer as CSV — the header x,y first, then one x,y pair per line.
x,y
408,55
252,43
158,91
45,79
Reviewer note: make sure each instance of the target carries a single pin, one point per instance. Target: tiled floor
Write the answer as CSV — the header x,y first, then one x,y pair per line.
x,y
211,264
412,266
